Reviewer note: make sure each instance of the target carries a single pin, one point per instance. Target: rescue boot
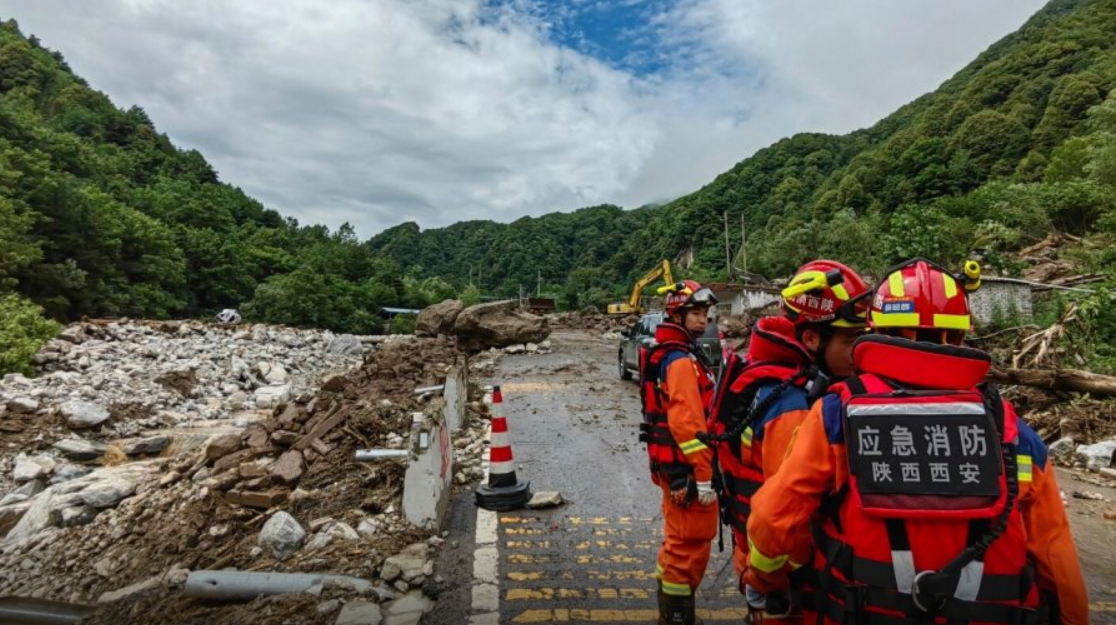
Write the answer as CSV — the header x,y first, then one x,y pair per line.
x,y
677,610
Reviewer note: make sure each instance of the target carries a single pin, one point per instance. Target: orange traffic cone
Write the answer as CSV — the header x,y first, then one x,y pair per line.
x,y
503,491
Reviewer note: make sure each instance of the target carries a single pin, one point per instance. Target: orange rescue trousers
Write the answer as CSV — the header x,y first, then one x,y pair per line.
x,y
688,534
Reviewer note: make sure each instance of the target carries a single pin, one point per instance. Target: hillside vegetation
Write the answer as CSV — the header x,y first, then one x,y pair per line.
x,y
1017,144
100,215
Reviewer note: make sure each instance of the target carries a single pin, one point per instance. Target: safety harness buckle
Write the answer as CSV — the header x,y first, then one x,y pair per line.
x,y
855,598
925,600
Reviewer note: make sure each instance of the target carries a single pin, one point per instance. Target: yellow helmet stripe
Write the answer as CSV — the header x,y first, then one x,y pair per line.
x,y
895,320
950,286
840,292
895,281
952,322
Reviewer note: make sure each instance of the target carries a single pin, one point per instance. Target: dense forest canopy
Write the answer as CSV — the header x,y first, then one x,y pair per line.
x,y
101,215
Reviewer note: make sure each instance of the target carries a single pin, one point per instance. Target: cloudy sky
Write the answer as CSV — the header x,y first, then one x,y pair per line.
x,y
382,111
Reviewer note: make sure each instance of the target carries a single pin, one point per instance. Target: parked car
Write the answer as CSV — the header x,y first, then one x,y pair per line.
x,y
642,335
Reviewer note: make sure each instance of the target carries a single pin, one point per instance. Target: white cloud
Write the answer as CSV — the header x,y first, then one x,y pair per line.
x,y
380,111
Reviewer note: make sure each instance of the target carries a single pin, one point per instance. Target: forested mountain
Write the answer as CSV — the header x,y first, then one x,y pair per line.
x,y
101,215
568,253
1016,144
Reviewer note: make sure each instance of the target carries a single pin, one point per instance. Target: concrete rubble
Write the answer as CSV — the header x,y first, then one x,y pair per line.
x,y
190,471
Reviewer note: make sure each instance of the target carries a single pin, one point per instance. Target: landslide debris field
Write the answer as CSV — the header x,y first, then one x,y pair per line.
x,y
144,451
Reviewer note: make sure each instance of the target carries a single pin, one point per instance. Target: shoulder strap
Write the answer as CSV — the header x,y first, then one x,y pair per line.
x,y
856,386
994,404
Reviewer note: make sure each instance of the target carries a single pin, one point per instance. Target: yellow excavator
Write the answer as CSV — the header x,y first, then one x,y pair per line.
x,y
633,306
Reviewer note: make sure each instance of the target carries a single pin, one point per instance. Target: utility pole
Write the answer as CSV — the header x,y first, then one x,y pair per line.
x,y
743,246
538,292
728,252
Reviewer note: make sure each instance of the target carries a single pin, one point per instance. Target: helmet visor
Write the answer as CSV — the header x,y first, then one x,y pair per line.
x,y
703,297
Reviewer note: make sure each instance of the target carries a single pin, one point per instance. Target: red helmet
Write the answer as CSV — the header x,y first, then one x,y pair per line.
x,y
825,291
921,295
685,295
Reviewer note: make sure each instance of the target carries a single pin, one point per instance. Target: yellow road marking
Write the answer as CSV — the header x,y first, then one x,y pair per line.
x,y
1102,606
615,616
613,559
528,544
607,544
549,594
599,520
512,520
522,531
526,558
620,575
524,577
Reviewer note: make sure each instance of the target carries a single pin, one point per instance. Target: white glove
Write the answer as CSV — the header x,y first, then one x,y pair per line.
x,y
706,495
757,601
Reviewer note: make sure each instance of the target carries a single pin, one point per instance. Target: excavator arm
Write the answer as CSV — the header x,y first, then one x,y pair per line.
x,y
633,305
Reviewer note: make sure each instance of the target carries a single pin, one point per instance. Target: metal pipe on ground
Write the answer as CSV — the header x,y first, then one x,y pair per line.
x,y
430,389
376,455
28,611
245,586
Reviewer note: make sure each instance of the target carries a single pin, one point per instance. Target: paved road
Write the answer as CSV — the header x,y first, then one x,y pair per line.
x,y
574,428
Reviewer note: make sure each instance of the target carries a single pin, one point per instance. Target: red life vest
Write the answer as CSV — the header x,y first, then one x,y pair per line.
x,y
665,456
928,530
774,356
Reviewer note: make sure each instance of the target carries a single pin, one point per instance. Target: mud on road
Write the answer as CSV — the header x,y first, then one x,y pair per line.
x,y
574,428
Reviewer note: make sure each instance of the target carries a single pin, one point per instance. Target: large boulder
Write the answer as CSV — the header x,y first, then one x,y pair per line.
x,y
82,415
439,318
498,324
281,536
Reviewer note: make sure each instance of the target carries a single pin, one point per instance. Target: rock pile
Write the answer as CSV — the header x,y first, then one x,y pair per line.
x,y
283,494
592,320
113,380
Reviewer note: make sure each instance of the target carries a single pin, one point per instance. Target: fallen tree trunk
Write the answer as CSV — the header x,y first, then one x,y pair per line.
x,y
1057,379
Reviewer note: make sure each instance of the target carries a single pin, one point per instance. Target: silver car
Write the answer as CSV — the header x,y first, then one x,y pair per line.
x,y
642,335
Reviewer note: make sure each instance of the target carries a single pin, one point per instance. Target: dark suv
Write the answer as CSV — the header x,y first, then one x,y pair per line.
x,y
642,334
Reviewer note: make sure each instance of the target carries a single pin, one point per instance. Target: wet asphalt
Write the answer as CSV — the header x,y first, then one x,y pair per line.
x,y
574,428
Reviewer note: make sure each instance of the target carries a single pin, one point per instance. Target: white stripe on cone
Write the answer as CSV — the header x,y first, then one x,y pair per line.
x,y
499,439
500,468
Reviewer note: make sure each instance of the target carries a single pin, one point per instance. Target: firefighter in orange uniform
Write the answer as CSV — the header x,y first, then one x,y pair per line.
x,y
676,385
790,362
930,501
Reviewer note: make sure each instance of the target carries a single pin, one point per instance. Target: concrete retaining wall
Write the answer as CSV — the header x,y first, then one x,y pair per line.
x,y
997,300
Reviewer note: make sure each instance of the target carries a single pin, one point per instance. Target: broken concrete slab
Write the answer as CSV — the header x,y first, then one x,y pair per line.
x,y
545,499
359,613
407,610
428,482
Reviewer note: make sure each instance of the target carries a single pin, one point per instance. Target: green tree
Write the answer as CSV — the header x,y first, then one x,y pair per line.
x,y
23,331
